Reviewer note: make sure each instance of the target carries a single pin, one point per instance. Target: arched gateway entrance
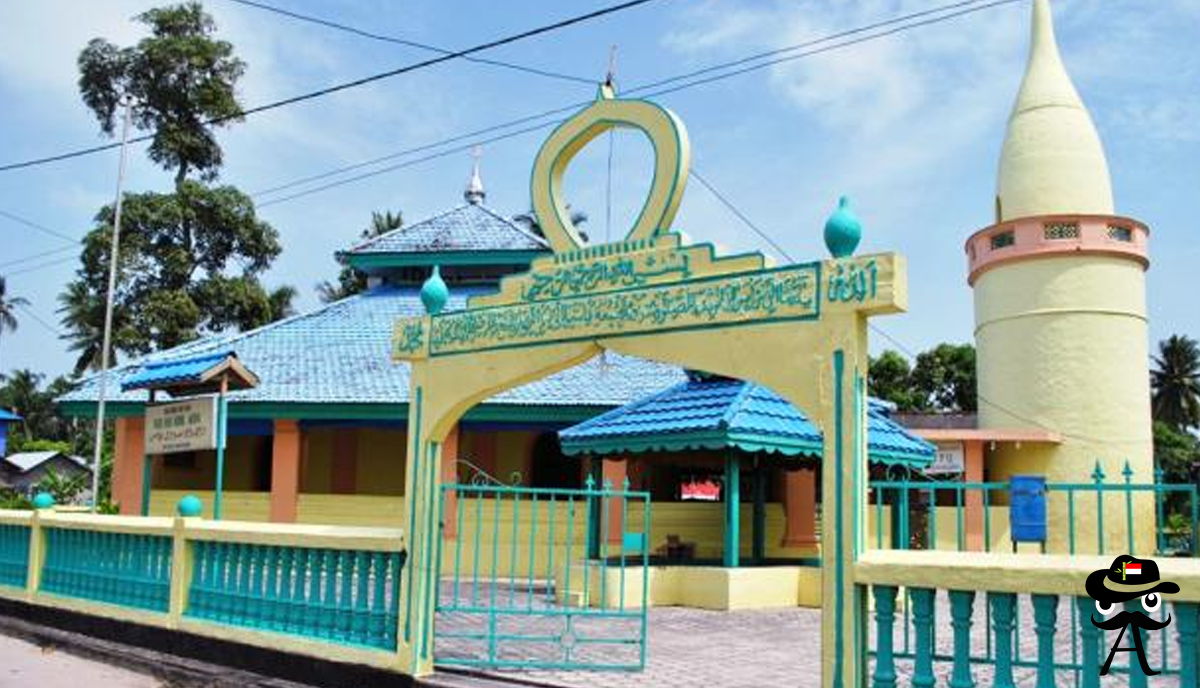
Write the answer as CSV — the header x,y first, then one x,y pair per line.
x,y
800,330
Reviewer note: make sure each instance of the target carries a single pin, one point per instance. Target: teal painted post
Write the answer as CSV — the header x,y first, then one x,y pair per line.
x,y
1089,637
732,509
1127,472
1098,478
1160,521
1188,622
885,622
220,486
923,613
961,603
759,546
592,484
1045,617
905,536
147,478
1137,678
1002,606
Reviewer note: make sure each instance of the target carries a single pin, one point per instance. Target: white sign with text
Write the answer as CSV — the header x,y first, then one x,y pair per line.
x,y
182,426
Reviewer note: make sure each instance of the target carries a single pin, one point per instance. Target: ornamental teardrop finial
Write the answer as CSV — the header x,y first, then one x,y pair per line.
x,y
843,230
434,293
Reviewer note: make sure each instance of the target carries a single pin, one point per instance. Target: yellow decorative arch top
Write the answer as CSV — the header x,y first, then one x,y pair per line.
x,y
672,155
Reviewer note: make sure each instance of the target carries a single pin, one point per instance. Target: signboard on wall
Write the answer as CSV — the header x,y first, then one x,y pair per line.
x,y
182,426
949,458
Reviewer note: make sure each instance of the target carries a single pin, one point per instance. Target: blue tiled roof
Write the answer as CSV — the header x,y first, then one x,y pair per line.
x,y
173,371
718,413
469,227
341,354
8,416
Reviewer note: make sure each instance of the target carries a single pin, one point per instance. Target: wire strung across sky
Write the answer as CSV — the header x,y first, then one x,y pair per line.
x,y
543,120
355,83
329,23
661,87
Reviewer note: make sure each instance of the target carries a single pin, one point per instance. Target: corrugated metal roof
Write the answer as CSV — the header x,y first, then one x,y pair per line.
x,y
27,461
173,371
341,353
715,413
468,227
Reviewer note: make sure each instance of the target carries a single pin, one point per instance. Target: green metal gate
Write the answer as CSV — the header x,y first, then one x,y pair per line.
x,y
535,578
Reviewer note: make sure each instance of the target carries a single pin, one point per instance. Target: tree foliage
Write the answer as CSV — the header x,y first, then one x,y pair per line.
x,y
1175,382
179,77
8,309
349,280
192,260
24,393
943,379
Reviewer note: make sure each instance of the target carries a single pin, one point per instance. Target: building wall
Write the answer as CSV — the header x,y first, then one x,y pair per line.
x,y
247,468
1062,345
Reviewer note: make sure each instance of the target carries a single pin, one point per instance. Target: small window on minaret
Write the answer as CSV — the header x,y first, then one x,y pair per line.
x,y
1055,231
1120,233
1002,239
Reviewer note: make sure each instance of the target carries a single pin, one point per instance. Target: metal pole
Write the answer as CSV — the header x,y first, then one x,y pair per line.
x,y
108,311
221,419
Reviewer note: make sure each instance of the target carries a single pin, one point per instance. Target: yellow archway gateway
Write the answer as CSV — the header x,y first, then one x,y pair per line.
x,y
800,330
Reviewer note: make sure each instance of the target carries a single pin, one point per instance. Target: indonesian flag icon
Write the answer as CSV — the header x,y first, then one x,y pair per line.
x,y
1133,569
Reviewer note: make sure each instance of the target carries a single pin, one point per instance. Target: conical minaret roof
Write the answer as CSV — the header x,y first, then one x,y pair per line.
x,y
1052,161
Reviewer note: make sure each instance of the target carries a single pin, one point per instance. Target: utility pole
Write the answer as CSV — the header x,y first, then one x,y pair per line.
x,y
108,309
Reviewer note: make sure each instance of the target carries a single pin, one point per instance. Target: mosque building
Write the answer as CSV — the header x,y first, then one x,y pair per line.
x,y
1060,328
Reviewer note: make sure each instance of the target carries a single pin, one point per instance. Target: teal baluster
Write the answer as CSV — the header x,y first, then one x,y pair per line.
x,y
257,585
1089,641
923,618
1098,478
1187,621
1137,678
960,523
345,596
328,593
378,604
512,550
961,604
570,546
456,582
362,573
1159,498
1127,472
1002,606
605,500
533,527
1045,617
476,551
552,514
885,622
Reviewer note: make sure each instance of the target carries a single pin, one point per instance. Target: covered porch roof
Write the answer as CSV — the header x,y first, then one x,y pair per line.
x,y
708,412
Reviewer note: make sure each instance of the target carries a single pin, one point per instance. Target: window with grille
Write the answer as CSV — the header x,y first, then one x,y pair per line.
x,y
1120,233
1056,231
1003,239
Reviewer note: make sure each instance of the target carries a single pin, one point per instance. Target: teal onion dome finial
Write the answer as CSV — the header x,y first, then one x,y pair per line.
x,y
843,230
43,500
435,293
189,507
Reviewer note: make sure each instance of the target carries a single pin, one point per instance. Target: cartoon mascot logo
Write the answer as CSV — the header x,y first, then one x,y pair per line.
x,y
1128,579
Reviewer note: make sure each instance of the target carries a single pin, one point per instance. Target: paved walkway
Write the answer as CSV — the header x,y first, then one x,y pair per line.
x,y
24,664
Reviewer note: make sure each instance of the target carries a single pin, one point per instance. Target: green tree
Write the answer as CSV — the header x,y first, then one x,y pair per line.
x,y
8,309
178,77
944,378
191,260
65,489
530,222
890,378
23,392
1175,382
351,281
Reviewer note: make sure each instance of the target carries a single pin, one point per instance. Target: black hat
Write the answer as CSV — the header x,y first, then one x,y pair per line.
x,y
1128,578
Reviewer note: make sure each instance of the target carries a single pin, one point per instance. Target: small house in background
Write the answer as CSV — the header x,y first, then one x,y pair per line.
x,y
7,418
24,471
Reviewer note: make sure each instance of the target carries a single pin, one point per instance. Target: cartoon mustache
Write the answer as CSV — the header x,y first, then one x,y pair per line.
x,y
1138,619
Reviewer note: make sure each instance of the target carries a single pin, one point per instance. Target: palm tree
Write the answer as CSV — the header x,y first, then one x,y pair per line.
x,y
1175,382
529,221
8,308
82,312
351,281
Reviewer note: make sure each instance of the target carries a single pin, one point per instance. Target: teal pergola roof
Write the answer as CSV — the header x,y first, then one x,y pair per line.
x,y
720,413
8,416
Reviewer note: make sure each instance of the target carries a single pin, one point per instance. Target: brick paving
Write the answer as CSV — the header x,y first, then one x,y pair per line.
x,y
689,647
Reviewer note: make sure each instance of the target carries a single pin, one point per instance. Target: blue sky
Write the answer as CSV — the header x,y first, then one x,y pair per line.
x,y
909,127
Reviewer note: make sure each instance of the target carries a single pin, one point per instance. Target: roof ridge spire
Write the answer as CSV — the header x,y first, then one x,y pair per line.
x,y
474,193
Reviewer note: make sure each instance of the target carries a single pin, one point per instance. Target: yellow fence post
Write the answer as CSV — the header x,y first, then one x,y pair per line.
x,y
37,555
181,571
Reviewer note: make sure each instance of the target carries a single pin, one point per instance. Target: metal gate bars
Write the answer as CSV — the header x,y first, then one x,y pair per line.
x,y
533,578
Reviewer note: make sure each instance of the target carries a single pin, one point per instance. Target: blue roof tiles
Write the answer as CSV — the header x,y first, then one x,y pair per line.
x,y
468,227
715,413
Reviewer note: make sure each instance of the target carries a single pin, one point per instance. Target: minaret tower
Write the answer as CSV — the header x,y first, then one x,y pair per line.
x,y
1060,306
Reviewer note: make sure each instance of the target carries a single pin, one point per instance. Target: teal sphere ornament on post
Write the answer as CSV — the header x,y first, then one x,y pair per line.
x,y
843,230
43,500
190,507
434,293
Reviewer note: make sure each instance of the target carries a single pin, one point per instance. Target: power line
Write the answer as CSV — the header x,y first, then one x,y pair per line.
x,y
40,266
647,92
36,256
328,23
355,83
39,227
740,215
38,319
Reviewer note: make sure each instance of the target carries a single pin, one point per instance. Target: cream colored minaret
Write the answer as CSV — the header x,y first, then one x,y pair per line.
x,y
1060,307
